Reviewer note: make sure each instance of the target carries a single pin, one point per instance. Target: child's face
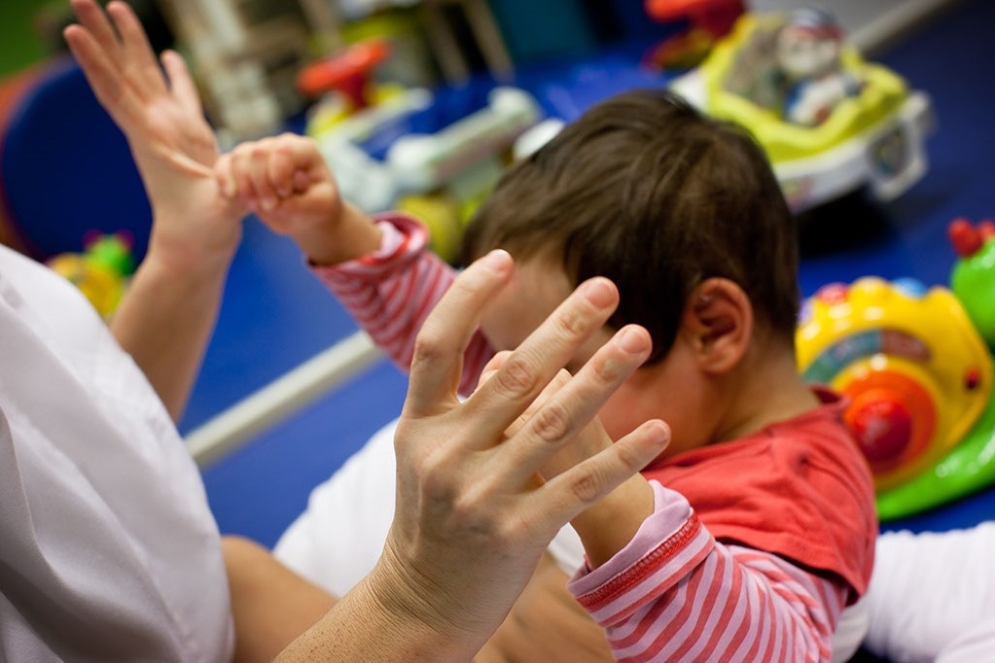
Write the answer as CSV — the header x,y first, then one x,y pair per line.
x,y
666,390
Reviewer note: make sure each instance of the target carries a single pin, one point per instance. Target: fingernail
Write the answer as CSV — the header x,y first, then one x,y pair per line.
x,y
498,260
659,431
632,341
268,204
599,293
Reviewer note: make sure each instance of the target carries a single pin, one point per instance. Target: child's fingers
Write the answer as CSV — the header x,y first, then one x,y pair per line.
x,y
240,161
281,170
301,163
224,176
492,366
257,168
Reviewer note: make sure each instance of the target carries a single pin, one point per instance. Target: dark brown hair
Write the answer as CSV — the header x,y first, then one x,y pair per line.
x,y
645,190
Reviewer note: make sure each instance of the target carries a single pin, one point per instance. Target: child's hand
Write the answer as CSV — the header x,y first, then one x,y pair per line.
x,y
284,180
288,185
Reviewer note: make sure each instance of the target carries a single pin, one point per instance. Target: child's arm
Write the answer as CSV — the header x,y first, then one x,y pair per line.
x,y
674,593
379,268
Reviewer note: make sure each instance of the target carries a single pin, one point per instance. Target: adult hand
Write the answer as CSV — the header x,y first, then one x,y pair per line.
x,y
171,142
473,515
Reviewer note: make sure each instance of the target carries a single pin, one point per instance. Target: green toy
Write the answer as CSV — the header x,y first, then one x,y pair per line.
x,y
917,366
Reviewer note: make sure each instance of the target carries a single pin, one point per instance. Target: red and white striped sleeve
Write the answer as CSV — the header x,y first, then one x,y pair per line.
x,y
675,594
390,293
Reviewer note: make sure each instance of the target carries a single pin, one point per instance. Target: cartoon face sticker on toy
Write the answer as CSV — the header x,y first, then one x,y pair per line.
x,y
809,44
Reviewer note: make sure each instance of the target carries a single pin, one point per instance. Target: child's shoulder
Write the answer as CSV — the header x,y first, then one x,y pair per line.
x,y
799,488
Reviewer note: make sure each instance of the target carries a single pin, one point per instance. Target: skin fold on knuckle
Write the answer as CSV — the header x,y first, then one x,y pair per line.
x,y
551,424
573,325
628,458
586,484
516,378
429,347
610,370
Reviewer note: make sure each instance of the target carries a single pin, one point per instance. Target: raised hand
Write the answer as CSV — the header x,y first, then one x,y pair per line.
x,y
286,182
471,505
160,114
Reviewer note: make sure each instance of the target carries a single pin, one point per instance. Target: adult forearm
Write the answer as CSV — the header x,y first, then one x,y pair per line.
x,y
374,623
167,319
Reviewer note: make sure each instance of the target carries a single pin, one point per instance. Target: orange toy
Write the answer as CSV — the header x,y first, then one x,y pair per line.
x,y
347,72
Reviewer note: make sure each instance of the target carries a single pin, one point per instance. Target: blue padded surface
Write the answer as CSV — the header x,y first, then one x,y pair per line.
x,y
67,170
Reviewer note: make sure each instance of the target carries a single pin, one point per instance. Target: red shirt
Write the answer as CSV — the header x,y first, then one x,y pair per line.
x,y
800,489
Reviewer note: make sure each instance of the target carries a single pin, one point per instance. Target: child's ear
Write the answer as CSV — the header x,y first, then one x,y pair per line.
x,y
718,319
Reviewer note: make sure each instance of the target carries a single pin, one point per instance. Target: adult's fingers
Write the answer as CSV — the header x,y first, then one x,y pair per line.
x,y
531,366
563,419
102,75
558,382
94,20
563,497
139,57
181,83
437,361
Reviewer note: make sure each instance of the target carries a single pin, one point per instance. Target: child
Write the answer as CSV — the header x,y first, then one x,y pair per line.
x,y
759,518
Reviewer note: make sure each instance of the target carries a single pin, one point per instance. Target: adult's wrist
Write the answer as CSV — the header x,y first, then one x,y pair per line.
x,y
410,609
194,258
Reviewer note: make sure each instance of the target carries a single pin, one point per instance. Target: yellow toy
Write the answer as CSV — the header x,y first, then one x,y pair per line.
x,y
830,122
917,372
101,272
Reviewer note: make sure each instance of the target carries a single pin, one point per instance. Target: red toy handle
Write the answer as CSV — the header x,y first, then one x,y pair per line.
x,y
346,72
713,16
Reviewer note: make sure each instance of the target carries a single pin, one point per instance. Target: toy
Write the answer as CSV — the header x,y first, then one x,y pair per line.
x,y
971,279
830,122
709,20
808,54
918,373
442,176
347,72
101,272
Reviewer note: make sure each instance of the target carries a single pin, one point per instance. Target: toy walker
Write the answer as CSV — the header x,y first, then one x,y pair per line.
x,y
830,122
917,366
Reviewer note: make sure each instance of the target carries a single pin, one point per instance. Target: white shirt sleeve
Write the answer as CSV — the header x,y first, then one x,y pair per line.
x,y
108,549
